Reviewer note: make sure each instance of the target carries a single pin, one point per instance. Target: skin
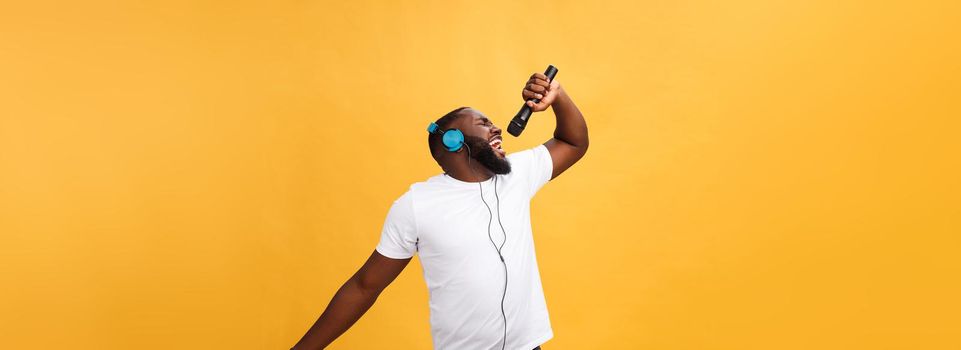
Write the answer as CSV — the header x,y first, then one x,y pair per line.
x,y
568,145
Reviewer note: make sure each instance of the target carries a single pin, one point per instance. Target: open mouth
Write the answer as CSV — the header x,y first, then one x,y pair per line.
x,y
496,145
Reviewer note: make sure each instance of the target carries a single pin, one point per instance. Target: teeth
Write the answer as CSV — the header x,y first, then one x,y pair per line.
x,y
496,144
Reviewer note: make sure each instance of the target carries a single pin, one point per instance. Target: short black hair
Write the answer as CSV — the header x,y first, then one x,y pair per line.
x,y
434,140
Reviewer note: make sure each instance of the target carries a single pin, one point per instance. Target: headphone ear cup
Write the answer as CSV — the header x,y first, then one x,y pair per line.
x,y
453,140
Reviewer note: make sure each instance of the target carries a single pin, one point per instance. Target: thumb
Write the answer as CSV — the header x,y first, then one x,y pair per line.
x,y
536,107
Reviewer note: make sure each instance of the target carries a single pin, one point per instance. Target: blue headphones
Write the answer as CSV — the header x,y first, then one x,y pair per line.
x,y
453,139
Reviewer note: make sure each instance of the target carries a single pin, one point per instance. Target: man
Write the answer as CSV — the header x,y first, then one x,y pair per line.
x,y
471,228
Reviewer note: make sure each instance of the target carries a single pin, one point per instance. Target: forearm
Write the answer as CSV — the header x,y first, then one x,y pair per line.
x,y
344,309
571,127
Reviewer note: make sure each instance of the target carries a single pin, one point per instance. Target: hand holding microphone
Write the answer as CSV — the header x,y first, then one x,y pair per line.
x,y
539,93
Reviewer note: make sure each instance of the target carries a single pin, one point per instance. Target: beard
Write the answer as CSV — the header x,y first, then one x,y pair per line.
x,y
482,152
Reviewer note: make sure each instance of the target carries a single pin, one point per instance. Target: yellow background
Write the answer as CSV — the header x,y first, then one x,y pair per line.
x,y
205,175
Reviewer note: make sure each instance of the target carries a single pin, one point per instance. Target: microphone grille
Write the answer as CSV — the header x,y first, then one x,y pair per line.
x,y
515,129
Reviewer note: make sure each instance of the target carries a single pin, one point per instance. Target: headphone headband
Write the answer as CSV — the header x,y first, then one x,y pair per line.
x,y
432,128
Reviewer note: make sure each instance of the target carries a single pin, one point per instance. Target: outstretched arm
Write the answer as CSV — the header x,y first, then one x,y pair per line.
x,y
352,300
570,136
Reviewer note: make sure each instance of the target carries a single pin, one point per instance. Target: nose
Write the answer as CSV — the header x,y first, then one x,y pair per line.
x,y
495,130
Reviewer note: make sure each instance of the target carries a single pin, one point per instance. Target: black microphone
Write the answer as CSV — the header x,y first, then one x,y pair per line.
x,y
519,122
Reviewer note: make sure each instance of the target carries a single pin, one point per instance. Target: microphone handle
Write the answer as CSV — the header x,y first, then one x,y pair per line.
x,y
519,122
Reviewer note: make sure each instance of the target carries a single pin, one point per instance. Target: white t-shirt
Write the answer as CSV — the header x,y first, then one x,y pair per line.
x,y
444,221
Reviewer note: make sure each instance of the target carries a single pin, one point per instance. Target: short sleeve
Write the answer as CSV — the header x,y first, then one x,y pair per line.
x,y
542,166
399,235
534,166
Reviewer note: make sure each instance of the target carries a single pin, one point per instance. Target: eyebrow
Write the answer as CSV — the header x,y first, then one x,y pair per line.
x,y
484,120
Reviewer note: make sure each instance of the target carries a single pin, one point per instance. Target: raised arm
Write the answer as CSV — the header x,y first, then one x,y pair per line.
x,y
353,299
570,135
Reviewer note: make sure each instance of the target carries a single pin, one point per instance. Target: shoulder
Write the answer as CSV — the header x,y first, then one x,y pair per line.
x,y
530,153
525,154
533,167
528,158
420,189
429,184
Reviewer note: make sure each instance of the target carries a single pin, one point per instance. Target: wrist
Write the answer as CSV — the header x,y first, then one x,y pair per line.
x,y
561,95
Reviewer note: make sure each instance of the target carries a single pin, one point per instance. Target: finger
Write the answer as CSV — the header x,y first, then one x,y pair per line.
x,y
541,82
540,76
536,88
546,84
530,94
